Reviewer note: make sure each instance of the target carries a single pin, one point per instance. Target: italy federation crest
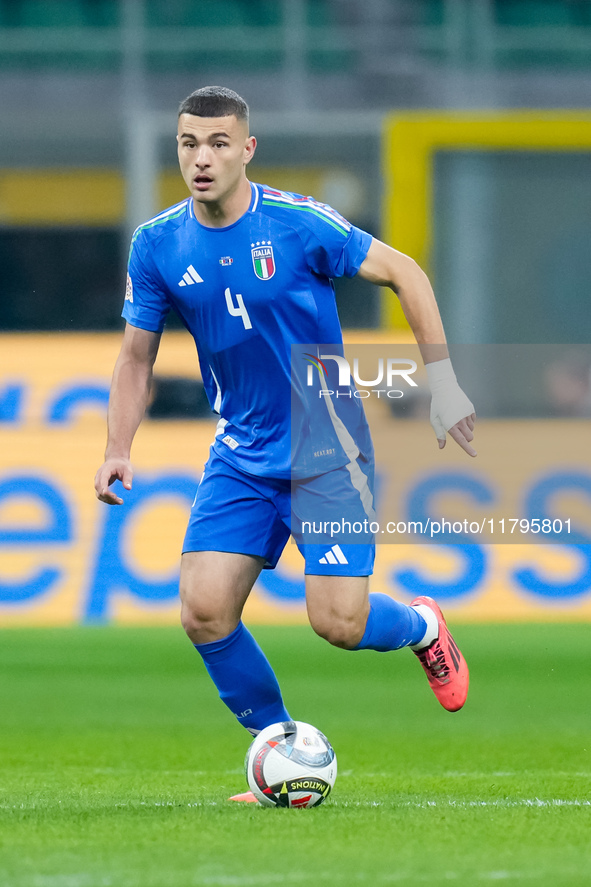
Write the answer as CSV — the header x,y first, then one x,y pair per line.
x,y
263,259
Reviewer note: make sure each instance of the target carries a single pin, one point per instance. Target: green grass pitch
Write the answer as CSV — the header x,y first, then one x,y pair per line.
x,y
117,759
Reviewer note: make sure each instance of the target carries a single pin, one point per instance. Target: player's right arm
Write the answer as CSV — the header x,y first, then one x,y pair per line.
x,y
130,390
451,411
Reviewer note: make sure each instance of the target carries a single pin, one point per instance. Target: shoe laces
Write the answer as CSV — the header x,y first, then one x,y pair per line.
x,y
433,660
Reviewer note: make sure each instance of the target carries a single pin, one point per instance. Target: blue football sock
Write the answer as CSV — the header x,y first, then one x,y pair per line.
x,y
245,680
391,625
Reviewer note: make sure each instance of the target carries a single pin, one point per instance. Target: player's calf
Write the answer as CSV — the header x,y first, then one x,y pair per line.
x,y
338,608
342,633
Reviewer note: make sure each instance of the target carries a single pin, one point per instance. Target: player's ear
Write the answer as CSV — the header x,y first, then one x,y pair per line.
x,y
249,149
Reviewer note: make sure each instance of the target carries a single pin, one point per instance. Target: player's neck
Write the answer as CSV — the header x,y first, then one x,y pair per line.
x,y
220,214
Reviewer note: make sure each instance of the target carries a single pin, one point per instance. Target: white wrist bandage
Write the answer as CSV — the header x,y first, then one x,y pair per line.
x,y
449,404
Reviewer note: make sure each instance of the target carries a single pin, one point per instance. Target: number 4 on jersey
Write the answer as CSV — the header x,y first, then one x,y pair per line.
x,y
238,310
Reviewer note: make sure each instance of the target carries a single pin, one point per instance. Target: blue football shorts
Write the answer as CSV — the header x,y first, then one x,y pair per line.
x,y
237,512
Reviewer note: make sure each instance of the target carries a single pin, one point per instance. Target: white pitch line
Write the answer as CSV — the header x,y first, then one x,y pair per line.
x,y
468,774
464,804
86,879
359,877
80,879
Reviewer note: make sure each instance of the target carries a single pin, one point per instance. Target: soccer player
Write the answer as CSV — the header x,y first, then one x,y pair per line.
x,y
249,270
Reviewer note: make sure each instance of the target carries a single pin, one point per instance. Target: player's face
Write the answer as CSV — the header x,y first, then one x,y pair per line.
x,y
213,153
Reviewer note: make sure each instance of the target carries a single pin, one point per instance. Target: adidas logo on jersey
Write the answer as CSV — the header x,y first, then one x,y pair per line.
x,y
334,556
190,277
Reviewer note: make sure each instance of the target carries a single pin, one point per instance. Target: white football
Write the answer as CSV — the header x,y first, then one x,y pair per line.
x,y
291,764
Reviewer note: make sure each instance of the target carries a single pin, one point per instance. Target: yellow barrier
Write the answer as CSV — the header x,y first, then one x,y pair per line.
x,y
67,558
410,142
97,196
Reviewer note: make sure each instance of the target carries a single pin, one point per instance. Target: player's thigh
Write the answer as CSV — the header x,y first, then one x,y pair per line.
x,y
334,510
235,513
234,529
214,586
338,607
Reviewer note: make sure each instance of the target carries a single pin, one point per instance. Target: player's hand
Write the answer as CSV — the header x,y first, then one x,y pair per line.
x,y
462,432
452,412
111,470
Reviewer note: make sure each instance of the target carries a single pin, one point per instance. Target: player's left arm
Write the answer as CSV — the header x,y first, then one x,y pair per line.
x,y
451,410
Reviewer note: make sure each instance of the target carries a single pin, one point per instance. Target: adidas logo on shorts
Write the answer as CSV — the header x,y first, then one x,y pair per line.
x,y
334,556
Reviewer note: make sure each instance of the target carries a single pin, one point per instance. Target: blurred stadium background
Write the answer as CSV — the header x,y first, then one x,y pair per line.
x,y
458,130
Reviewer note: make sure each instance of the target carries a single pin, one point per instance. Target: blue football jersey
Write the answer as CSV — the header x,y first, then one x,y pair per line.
x,y
247,293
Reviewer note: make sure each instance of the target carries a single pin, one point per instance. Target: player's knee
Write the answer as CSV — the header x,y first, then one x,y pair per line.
x,y
191,620
203,625
340,631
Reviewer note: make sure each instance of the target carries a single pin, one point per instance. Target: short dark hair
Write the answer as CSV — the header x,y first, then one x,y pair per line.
x,y
215,101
